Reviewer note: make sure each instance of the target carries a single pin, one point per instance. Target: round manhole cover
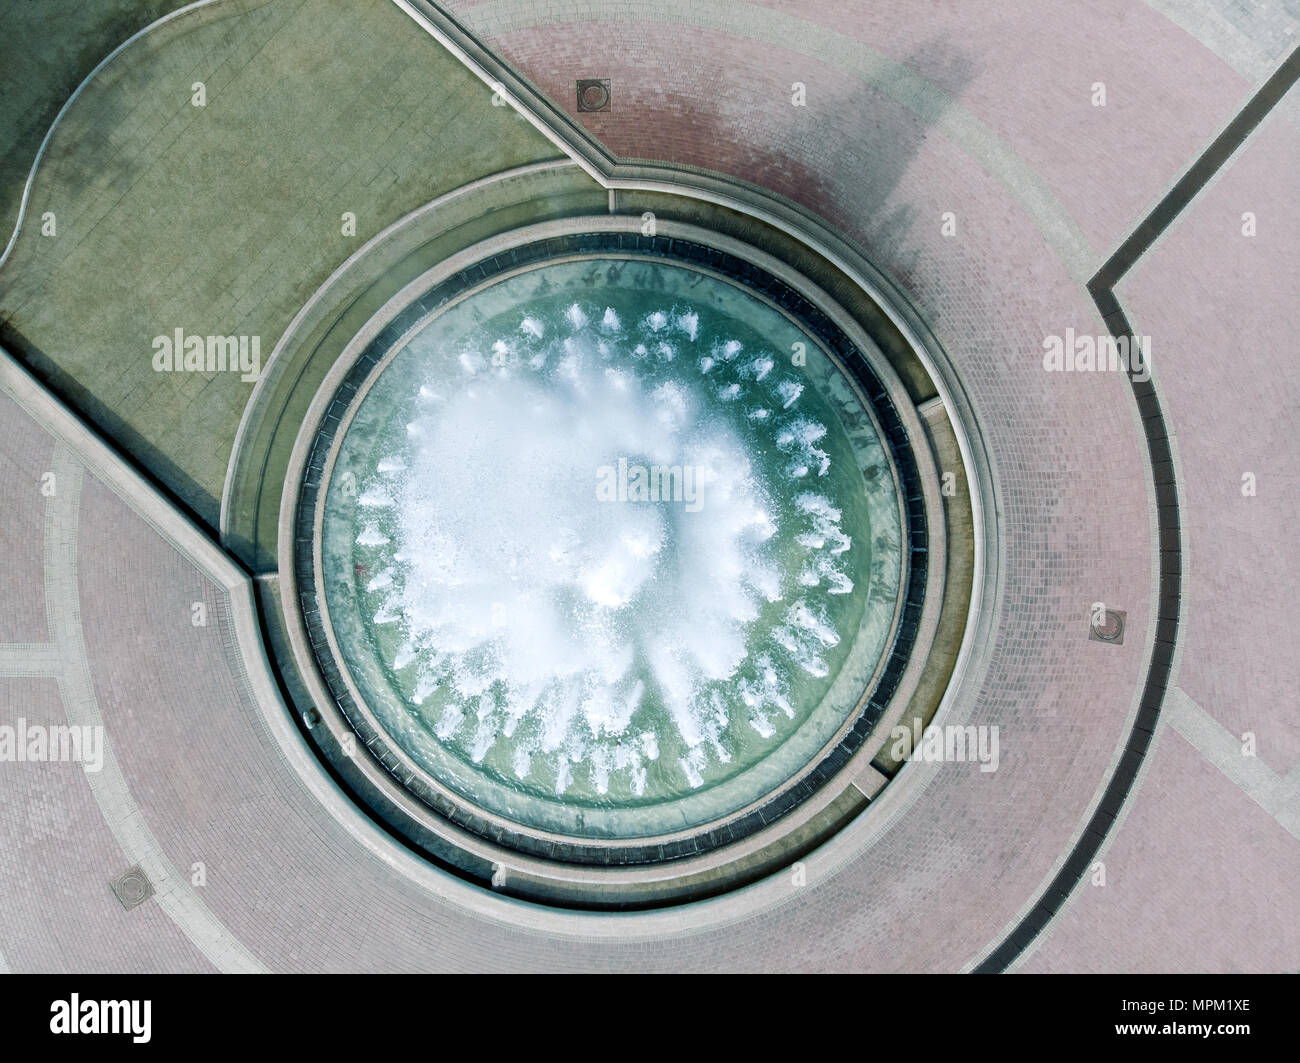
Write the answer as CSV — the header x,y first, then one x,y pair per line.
x,y
1109,626
133,887
595,97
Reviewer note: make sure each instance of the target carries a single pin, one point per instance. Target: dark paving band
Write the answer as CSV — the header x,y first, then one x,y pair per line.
x,y
1102,290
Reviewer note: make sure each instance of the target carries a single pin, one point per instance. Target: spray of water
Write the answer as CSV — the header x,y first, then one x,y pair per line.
x,y
584,632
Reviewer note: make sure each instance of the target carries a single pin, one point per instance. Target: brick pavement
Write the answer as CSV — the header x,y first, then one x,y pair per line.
x,y
938,885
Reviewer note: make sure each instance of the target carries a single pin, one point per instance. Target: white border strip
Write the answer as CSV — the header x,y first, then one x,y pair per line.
x,y
49,133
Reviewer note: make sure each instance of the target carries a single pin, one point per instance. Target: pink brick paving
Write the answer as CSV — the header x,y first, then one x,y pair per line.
x,y
938,889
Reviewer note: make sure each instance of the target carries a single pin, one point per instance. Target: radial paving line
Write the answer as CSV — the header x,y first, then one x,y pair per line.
x,y
1219,746
29,659
1197,177
175,895
1168,522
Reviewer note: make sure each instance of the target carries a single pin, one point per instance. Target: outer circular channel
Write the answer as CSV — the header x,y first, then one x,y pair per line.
x,y
457,806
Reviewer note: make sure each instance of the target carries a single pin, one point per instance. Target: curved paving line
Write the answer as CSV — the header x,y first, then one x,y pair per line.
x,y
172,497
1102,290
852,58
49,133
109,787
1234,44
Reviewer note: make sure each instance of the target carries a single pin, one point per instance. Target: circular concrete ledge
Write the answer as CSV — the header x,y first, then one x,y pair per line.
x,y
812,805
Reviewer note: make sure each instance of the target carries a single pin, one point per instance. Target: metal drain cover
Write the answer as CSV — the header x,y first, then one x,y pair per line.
x,y
593,94
132,888
1108,627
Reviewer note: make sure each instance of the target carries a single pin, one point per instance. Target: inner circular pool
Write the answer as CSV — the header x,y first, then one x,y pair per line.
x,y
610,547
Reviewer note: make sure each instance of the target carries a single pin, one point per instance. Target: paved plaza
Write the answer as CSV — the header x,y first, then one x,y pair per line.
x,y
962,150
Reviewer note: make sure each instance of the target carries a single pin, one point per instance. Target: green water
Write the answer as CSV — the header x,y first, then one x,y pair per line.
x,y
562,647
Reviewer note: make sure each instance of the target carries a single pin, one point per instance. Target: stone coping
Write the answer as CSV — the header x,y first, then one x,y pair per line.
x,y
297,567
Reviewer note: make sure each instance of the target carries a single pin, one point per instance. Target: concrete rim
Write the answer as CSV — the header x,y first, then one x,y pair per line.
x,y
933,505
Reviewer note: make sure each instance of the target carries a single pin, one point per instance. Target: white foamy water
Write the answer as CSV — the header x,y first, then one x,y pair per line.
x,y
559,634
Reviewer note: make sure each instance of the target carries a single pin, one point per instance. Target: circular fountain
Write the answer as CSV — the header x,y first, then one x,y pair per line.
x,y
604,552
